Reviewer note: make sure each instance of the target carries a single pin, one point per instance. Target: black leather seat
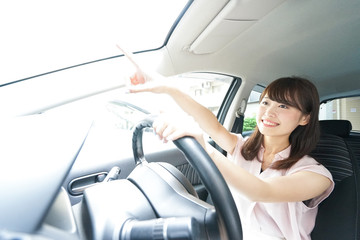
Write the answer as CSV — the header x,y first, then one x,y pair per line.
x,y
338,216
342,128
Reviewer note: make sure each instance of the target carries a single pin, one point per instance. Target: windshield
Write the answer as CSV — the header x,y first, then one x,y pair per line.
x,y
39,36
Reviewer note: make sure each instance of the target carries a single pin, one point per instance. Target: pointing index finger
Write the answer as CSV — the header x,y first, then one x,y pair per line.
x,y
129,56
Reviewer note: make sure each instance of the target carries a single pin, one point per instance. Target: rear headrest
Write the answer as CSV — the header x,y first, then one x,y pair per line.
x,y
339,128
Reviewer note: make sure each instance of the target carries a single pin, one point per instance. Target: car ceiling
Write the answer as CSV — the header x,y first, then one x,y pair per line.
x,y
261,41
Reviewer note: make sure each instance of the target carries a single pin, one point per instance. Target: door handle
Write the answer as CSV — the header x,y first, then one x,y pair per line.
x,y
78,185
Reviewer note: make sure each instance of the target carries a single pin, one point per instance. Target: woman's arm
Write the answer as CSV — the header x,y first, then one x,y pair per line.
x,y
152,82
204,117
297,187
300,186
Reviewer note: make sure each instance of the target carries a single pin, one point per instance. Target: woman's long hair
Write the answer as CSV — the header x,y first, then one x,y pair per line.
x,y
301,94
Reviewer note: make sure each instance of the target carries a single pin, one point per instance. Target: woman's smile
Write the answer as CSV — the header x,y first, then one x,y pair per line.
x,y
268,123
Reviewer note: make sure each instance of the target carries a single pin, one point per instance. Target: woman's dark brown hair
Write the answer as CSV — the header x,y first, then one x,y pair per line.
x,y
301,94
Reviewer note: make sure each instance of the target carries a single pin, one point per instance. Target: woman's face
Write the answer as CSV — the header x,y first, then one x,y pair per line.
x,y
277,119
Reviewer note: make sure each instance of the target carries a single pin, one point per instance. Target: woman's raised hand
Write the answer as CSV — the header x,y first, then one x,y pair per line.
x,y
142,81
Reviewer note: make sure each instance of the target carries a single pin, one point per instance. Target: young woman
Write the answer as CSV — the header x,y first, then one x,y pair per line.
x,y
277,187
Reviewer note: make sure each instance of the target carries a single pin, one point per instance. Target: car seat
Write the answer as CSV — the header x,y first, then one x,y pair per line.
x,y
338,215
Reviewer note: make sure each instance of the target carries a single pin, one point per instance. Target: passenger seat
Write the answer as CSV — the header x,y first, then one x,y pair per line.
x,y
339,214
342,128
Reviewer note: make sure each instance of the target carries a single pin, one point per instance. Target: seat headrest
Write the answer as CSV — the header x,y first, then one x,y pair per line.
x,y
339,128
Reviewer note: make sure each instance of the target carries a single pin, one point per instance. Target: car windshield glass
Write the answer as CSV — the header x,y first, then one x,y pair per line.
x,y
40,36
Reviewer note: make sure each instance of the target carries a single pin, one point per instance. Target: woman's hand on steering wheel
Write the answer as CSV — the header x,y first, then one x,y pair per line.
x,y
170,127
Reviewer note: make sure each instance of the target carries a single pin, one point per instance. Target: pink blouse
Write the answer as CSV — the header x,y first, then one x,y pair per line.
x,y
289,220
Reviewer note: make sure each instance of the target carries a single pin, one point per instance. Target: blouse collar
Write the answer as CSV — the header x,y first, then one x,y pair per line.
x,y
278,156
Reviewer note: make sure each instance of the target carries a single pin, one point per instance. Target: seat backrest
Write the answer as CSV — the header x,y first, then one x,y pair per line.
x,y
338,216
354,144
342,128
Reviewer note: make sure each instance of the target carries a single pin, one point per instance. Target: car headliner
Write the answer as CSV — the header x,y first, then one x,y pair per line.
x,y
261,41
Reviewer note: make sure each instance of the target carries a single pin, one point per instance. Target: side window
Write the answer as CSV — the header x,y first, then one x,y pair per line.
x,y
343,108
206,88
251,109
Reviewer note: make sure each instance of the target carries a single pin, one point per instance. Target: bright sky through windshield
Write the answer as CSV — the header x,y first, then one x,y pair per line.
x,y
38,36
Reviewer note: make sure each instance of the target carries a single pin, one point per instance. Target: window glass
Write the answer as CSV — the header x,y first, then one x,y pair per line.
x,y
343,108
42,36
206,88
251,109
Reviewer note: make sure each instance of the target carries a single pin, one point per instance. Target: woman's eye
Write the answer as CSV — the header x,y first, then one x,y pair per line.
x,y
283,106
264,102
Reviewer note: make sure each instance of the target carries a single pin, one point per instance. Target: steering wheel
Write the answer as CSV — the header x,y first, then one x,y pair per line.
x,y
226,210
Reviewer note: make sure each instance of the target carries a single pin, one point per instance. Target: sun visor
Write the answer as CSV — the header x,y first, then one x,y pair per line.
x,y
238,15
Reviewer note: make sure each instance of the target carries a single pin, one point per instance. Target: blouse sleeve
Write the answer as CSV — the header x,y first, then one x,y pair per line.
x,y
234,156
310,164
